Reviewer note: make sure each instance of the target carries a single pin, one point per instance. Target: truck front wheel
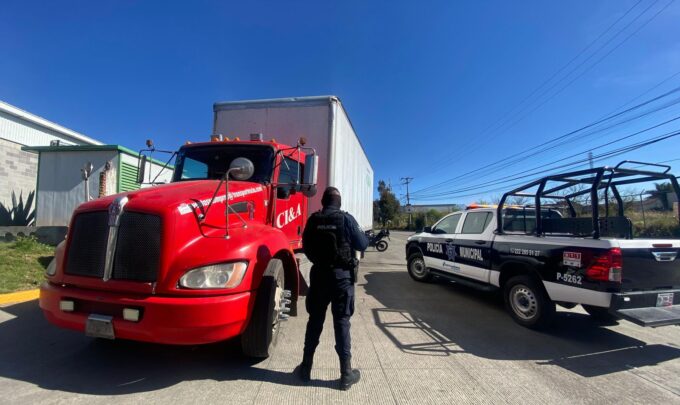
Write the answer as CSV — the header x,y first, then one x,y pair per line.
x,y
260,335
528,303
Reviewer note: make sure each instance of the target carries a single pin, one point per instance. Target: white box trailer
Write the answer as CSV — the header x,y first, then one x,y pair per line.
x,y
324,122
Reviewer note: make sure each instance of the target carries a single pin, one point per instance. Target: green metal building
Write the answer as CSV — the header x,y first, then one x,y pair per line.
x,y
61,187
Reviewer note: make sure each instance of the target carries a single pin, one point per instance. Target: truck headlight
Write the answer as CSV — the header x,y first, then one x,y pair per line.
x,y
52,267
223,275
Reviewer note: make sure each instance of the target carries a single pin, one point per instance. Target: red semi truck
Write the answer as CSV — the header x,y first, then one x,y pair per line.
x,y
208,257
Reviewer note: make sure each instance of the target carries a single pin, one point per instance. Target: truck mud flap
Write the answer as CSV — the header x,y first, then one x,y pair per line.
x,y
648,308
653,316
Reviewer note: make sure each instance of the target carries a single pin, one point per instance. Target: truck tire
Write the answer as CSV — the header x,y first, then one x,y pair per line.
x,y
600,314
528,303
381,246
417,269
259,338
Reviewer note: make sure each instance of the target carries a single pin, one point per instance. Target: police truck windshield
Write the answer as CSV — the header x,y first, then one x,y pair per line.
x,y
212,162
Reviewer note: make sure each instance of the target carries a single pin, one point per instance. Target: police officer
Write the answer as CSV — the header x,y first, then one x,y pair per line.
x,y
329,241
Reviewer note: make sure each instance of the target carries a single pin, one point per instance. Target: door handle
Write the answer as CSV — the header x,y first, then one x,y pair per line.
x,y
480,242
448,240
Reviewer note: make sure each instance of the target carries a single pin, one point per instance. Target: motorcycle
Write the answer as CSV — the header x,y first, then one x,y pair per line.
x,y
376,240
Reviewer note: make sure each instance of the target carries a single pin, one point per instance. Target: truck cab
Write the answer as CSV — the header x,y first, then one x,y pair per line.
x,y
205,258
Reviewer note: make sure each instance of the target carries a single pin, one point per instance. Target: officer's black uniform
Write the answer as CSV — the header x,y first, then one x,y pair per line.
x,y
332,280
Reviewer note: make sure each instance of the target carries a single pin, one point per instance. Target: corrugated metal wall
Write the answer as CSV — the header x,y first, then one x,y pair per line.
x,y
24,132
60,185
128,177
129,173
353,174
61,188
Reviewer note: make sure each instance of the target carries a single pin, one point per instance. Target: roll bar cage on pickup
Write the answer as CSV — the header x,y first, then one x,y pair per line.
x,y
607,178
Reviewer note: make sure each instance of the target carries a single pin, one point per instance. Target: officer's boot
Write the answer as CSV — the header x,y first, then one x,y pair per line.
x,y
348,375
306,367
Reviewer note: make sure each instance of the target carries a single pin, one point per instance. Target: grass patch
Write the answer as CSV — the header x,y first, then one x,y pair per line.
x,y
655,224
22,264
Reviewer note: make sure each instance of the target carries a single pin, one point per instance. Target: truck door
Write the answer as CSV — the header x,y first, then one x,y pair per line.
x,y
473,245
438,246
291,207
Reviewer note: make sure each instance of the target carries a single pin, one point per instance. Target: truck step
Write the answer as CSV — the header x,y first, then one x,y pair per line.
x,y
652,316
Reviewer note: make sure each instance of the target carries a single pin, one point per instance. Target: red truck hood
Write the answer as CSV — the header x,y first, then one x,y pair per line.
x,y
179,206
180,196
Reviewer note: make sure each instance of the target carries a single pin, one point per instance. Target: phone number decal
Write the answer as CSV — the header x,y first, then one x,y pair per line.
x,y
525,252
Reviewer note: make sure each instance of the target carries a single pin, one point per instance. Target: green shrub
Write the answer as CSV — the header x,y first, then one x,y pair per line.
x,y
28,244
660,229
19,213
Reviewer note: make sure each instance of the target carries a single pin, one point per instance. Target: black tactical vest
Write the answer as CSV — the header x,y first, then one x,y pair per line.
x,y
325,242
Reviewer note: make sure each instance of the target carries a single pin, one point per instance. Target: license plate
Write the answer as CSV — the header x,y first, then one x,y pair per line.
x,y
664,300
100,326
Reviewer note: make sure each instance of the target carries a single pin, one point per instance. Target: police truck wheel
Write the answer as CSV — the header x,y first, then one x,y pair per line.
x,y
600,314
527,303
417,269
381,246
260,335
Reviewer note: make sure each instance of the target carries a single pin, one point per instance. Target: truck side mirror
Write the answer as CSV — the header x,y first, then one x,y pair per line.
x,y
311,169
141,169
427,229
309,177
241,169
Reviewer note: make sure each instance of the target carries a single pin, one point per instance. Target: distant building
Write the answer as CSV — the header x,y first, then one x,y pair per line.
x,y
61,188
41,156
445,208
19,168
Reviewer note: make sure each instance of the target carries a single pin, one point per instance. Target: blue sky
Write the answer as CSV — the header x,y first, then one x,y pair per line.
x,y
423,82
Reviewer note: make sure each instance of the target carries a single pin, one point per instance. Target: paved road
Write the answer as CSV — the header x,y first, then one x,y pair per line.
x,y
414,343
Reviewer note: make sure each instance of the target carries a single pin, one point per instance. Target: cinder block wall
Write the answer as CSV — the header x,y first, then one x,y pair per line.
x,y
18,171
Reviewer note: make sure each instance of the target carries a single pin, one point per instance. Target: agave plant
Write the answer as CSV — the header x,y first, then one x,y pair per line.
x,y
20,213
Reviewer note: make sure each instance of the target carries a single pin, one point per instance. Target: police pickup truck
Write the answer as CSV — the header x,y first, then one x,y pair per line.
x,y
546,254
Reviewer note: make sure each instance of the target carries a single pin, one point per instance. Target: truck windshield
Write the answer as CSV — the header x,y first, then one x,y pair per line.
x,y
211,162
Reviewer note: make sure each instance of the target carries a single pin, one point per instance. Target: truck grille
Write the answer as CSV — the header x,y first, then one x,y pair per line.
x,y
137,249
87,250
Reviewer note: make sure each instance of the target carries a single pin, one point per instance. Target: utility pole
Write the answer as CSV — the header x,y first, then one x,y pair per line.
x,y
407,180
590,159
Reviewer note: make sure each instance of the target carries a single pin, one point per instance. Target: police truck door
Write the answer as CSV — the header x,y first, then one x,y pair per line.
x,y
438,246
473,245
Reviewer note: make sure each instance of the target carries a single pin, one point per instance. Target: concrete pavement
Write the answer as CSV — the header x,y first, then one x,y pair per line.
x,y
414,343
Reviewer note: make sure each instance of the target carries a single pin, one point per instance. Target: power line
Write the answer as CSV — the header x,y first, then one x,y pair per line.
x,y
524,155
594,53
541,104
605,155
662,82
573,69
